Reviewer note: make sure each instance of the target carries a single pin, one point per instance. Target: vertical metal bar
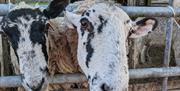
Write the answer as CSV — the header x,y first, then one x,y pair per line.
x,y
1,59
167,50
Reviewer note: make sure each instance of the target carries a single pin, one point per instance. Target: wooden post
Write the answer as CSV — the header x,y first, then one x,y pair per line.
x,y
6,59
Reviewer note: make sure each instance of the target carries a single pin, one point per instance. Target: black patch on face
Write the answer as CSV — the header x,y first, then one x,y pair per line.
x,y
13,35
93,10
105,87
95,79
103,23
25,13
39,87
87,14
37,36
89,49
89,77
86,25
82,32
83,13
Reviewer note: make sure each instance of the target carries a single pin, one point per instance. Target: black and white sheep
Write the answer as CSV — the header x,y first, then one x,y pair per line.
x,y
102,33
25,27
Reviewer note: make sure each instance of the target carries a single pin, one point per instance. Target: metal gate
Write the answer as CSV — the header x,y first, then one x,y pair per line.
x,y
164,72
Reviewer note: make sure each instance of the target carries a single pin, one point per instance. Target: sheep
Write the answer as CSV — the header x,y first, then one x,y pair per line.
x,y
80,6
25,27
62,48
63,53
101,52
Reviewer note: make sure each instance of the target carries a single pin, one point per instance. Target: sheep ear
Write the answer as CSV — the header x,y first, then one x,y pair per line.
x,y
55,8
72,19
143,27
49,26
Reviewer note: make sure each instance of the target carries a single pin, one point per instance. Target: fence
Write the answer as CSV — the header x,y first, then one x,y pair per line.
x,y
15,81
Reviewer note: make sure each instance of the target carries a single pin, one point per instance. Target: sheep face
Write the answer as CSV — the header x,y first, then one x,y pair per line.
x,y
25,29
102,32
25,26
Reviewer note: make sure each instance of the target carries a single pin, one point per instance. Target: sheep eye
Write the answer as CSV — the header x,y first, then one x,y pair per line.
x,y
84,24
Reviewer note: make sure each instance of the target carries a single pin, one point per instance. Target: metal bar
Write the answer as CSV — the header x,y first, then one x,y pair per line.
x,y
67,78
153,72
150,11
15,81
167,51
3,9
131,10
